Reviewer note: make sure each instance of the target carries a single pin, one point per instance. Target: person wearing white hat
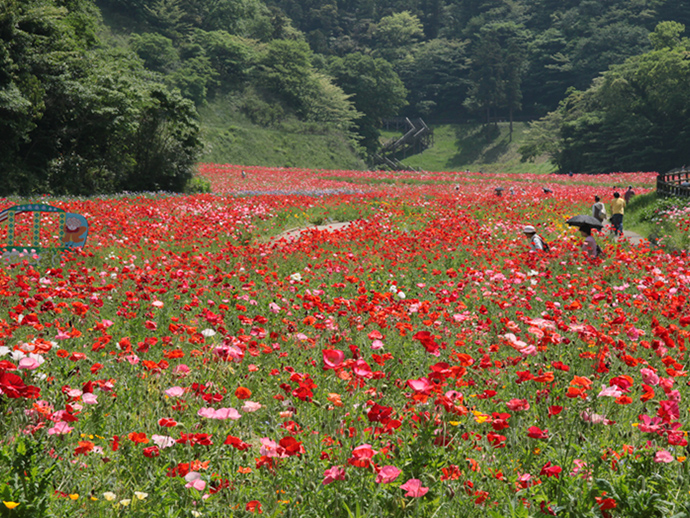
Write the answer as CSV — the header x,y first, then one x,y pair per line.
x,y
536,243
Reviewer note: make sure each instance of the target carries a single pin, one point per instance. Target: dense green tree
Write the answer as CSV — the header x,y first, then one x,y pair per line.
x,y
550,72
636,116
396,35
230,56
676,10
666,35
498,62
248,18
376,91
606,45
157,51
571,41
193,78
285,69
437,78
331,105
165,144
168,18
72,114
432,17
465,18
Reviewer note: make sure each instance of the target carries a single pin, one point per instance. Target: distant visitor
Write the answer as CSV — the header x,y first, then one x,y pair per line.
x,y
599,209
617,211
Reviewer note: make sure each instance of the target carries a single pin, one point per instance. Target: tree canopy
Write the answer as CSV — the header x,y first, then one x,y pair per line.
x,y
77,118
635,116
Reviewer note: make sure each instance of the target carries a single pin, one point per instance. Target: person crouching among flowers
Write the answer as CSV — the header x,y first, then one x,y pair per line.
x,y
536,243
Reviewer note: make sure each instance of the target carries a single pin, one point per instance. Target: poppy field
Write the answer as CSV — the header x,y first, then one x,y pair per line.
x,y
420,362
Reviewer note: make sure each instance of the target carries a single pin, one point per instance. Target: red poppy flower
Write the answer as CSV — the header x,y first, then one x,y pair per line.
x,y
291,446
537,433
138,437
237,443
243,393
151,451
254,506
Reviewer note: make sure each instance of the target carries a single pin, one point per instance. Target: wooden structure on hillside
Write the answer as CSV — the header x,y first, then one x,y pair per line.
x,y
416,138
674,183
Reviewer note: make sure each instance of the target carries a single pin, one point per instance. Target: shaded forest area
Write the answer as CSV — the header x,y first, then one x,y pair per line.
x,y
88,106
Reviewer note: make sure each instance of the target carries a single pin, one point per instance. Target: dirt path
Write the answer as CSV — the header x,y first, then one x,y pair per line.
x,y
295,233
633,237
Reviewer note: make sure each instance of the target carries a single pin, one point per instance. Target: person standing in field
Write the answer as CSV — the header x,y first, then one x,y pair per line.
x,y
599,209
628,194
617,212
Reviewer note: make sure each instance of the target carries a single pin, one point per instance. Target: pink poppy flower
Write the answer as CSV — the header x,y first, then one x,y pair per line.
x,y
61,428
414,488
207,412
612,391
62,335
271,448
29,363
174,392
517,404
649,377
89,399
74,393
194,481
333,474
387,474
227,413
421,385
163,441
362,369
663,456
332,358
251,406
181,370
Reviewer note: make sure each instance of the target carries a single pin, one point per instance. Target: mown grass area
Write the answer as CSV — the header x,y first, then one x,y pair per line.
x,y
229,137
475,147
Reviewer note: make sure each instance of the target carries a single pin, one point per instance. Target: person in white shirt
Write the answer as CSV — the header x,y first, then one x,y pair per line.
x,y
599,209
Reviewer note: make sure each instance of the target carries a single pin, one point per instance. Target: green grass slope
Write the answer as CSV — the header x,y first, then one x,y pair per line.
x,y
476,147
229,137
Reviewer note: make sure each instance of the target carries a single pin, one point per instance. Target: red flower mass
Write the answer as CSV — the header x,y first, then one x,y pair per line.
x,y
423,333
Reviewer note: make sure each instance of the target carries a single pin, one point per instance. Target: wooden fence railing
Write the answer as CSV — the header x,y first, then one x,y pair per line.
x,y
674,183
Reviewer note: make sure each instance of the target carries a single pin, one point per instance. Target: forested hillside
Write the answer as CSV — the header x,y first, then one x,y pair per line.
x,y
80,117
635,116
488,53
93,106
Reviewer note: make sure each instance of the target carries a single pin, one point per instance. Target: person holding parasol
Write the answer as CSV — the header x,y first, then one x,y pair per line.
x,y
586,223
